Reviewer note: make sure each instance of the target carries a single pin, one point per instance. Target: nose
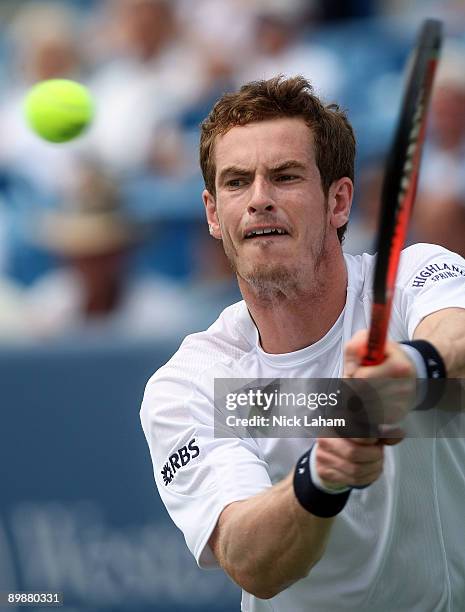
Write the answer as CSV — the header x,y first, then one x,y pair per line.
x,y
261,199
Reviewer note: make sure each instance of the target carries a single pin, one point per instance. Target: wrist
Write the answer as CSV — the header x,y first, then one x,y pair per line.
x,y
316,500
427,359
416,358
430,367
332,490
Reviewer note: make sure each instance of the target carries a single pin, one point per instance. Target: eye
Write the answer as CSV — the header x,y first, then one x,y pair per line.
x,y
235,183
286,177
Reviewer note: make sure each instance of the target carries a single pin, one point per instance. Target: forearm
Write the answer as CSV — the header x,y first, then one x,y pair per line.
x,y
269,541
445,329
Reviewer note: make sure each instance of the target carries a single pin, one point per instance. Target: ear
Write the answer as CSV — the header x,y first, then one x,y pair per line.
x,y
212,214
340,201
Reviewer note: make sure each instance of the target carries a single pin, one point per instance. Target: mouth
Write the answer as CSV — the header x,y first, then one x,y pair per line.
x,y
265,232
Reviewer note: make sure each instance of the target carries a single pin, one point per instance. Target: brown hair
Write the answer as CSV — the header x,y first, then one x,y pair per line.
x,y
280,97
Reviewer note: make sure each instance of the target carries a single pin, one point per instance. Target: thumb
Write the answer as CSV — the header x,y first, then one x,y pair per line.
x,y
390,441
354,351
390,436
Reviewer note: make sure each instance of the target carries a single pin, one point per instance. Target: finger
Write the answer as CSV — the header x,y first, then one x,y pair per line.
x,y
335,479
349,468
364,441
339,471
390,368
394,387
349,451
390,441
391,435
396,364
367,479
354,351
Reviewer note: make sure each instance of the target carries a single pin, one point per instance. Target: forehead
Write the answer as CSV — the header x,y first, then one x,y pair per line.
x,y
268,142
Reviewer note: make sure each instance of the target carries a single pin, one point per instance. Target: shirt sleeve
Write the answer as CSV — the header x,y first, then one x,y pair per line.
x,y
196,473
430,278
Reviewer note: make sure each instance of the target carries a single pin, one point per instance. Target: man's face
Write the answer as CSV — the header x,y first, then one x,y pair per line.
x,y
267,179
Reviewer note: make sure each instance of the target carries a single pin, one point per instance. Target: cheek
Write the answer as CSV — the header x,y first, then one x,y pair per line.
x,y
311,220
229,218
226,239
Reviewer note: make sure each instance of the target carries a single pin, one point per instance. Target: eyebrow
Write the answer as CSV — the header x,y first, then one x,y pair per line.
x,y
291,163
238,171
232,171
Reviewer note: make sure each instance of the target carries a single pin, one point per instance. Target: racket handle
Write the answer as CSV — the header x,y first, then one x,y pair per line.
x,y
374,353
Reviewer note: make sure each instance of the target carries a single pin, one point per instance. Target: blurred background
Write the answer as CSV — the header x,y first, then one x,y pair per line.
x,y
106,262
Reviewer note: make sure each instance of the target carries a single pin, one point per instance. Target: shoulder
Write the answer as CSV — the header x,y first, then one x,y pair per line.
x,y
181,391
420,260
223,344
422,263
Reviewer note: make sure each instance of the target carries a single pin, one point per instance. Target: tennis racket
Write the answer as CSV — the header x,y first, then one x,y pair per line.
x,y
400,183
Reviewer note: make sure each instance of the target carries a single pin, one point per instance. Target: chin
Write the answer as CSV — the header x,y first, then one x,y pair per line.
x,y
270,279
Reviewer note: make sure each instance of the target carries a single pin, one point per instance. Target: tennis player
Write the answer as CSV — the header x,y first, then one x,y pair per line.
x,y
341,523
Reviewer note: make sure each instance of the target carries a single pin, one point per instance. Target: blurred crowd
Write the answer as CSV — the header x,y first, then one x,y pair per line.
x,y
105,235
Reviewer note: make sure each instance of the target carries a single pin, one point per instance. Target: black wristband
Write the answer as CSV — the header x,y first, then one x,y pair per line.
x,y
434,363
435,371
314,500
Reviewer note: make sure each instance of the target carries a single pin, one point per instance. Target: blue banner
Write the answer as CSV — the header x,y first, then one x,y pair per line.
x,y
80,513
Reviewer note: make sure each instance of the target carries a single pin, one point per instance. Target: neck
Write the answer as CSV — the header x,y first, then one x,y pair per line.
x,y
287,323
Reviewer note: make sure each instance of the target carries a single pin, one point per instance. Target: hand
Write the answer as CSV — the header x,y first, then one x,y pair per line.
x,y
396,364
392,392
342,462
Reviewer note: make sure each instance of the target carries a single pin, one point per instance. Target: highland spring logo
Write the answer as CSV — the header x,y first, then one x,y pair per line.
x,y
436,272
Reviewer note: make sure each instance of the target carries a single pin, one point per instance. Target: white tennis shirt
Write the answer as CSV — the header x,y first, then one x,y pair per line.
x,y
398,545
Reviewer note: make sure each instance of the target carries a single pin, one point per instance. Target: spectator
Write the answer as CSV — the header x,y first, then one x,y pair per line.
x,y
281,46
93,291
153,76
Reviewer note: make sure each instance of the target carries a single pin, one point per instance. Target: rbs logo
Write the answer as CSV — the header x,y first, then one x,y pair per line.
x,y
178,460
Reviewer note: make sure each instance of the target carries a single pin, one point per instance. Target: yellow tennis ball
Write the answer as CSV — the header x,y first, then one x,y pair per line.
x,y
58,110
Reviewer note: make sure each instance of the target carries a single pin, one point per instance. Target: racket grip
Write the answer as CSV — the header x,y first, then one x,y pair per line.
x,y
374,354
